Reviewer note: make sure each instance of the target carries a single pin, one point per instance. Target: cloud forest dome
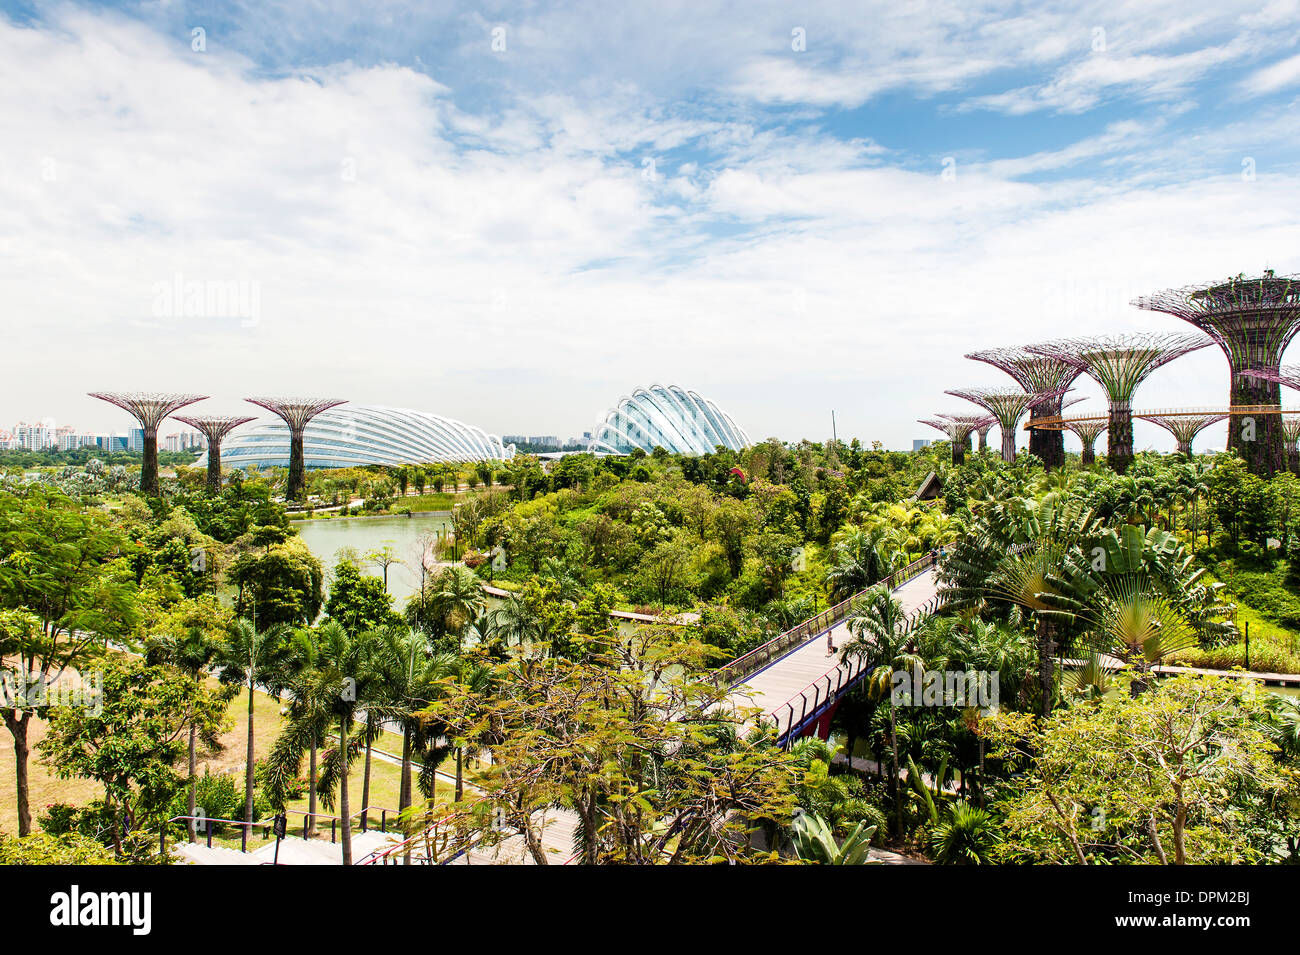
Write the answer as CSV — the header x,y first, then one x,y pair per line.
x,y
670,417
357,435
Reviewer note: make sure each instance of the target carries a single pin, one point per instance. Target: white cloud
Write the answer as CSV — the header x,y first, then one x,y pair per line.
x,y
1277,76
515,268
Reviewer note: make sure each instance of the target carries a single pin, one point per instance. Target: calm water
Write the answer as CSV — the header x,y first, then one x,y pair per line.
x,y
406,536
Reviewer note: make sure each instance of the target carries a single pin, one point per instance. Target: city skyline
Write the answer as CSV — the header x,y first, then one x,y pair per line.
x,y
515,221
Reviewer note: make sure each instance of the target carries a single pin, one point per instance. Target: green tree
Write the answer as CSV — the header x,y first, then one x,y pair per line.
x,y
594,735
1163,777
283,584
132,737
357,601
69,594
189,638
253,658
345,681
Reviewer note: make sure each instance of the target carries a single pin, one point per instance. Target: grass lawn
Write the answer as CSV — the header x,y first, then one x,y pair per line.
x,y
1274,646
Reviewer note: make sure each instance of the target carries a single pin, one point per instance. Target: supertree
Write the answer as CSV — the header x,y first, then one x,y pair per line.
x,y
1252,320
958,428
1038,374
1291,431
1007,405
148,409
296,412
214,429
1119,363
983,431
1087,430
1184,426
1288,375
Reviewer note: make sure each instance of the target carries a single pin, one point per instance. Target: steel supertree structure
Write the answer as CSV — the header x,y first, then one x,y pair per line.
x,y
1288,375
148,408
958,428
1252,320
1184,427
1119,363
296,413
1038,374
214,429
1291,434
1007,405
983,432
1087,430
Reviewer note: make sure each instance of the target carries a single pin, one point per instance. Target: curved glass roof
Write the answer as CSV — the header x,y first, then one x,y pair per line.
x,y
670,417
357,435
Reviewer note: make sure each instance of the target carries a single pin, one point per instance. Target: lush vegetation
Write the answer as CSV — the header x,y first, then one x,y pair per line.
x,y
1072,591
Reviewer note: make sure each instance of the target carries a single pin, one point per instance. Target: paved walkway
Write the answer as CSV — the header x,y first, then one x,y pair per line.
x,y
785,679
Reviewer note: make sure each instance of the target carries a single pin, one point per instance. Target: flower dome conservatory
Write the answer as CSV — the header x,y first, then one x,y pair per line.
x,y
357,435
668,417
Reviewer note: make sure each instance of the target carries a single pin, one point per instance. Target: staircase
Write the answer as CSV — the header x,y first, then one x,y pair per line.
x,y
293,851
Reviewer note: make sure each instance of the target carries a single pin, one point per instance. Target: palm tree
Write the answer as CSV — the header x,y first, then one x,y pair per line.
x,y
343,682
252,658
456,598
859,559
1015,549
410,674
515,622
294,679
880,631
1138,599
192,653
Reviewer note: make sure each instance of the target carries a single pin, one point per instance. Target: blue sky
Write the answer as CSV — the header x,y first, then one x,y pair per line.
x,y
515,213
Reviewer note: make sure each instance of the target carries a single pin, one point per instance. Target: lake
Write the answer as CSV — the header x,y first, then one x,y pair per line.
x,y
406,535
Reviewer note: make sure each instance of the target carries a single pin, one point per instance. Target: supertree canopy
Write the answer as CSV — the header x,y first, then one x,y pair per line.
x,y
214,428
958,428
1119,363
1288,375
149,409
296,412
1252,320
1007,405
1038,374
1184,426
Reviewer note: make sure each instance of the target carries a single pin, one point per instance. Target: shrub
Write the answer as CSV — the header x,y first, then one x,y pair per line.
x,y
43,848
1264,658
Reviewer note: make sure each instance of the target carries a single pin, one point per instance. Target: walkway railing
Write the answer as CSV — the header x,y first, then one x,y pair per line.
x,y
207,825
753,661
422,848
829,687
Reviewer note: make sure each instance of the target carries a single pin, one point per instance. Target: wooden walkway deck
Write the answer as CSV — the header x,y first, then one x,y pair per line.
x,y
783,680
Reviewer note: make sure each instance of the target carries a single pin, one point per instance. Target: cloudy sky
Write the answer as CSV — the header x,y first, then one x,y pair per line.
x,y
515,213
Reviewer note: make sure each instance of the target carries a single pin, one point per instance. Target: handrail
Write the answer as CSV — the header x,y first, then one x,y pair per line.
x,y
382,855
243,833
856,668
746,664
245,826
